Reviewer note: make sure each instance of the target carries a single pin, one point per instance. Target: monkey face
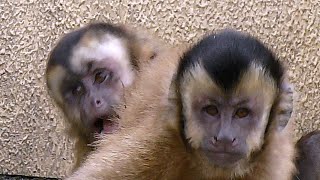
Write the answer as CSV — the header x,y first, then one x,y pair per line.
x,y
86,75
228,84
225,127
94,95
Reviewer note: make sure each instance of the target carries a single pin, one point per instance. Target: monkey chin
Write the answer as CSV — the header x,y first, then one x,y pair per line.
x,y
224,159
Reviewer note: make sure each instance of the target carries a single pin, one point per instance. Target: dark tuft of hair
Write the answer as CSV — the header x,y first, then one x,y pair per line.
x,y
227,55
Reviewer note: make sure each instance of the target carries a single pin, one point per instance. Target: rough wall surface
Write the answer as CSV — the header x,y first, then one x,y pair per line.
x,y
32,141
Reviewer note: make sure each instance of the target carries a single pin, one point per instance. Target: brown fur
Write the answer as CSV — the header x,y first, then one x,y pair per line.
x,y
144,48
154,149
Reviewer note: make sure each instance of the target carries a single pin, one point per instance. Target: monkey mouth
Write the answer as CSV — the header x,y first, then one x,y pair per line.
x,y
106,124
224,159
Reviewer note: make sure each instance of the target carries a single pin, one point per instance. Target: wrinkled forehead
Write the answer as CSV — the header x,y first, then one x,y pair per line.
x,y
98,49
254,82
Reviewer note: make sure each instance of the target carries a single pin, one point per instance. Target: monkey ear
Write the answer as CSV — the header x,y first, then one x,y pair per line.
x,y
173,91
174,105
285,104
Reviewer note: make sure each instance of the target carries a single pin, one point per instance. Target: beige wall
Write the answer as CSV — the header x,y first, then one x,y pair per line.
x,y
31,131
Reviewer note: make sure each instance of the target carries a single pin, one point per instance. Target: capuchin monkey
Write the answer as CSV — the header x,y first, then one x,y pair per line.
x,y
87,72
221,111
308,162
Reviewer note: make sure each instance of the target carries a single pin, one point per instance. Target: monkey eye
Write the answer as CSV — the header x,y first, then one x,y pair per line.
x,y
78,90
211,110
242,112
101,76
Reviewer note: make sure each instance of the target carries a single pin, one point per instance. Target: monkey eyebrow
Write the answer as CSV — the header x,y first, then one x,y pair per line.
x,y
240,102
211,101
89,65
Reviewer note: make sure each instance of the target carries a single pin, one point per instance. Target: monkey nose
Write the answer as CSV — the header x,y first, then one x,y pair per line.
x,y
97,103
222,141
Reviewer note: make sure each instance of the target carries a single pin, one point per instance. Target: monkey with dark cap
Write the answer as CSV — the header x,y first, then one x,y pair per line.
x,y
220,111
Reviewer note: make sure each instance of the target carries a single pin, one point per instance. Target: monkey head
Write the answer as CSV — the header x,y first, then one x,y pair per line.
x,y
86,75
228,85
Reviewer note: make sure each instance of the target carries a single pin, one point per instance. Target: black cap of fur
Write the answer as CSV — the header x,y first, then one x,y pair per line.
x,y
228,54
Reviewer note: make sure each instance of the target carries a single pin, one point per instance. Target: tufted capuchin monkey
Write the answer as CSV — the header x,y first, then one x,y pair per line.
x,y
221,111
87,73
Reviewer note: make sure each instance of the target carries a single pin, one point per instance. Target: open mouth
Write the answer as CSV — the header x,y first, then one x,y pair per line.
x,y
106,124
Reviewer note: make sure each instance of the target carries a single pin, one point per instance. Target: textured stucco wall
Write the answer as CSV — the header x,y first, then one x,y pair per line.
x,y
31,130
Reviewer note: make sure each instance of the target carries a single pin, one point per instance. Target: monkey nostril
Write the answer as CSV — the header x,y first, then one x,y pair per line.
x,y
214,140
234,142
98,102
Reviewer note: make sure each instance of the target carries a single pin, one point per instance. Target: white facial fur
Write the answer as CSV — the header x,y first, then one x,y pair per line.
x,y
109,48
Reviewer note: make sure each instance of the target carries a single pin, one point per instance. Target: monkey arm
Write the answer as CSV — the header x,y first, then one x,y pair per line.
x,y
134,154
